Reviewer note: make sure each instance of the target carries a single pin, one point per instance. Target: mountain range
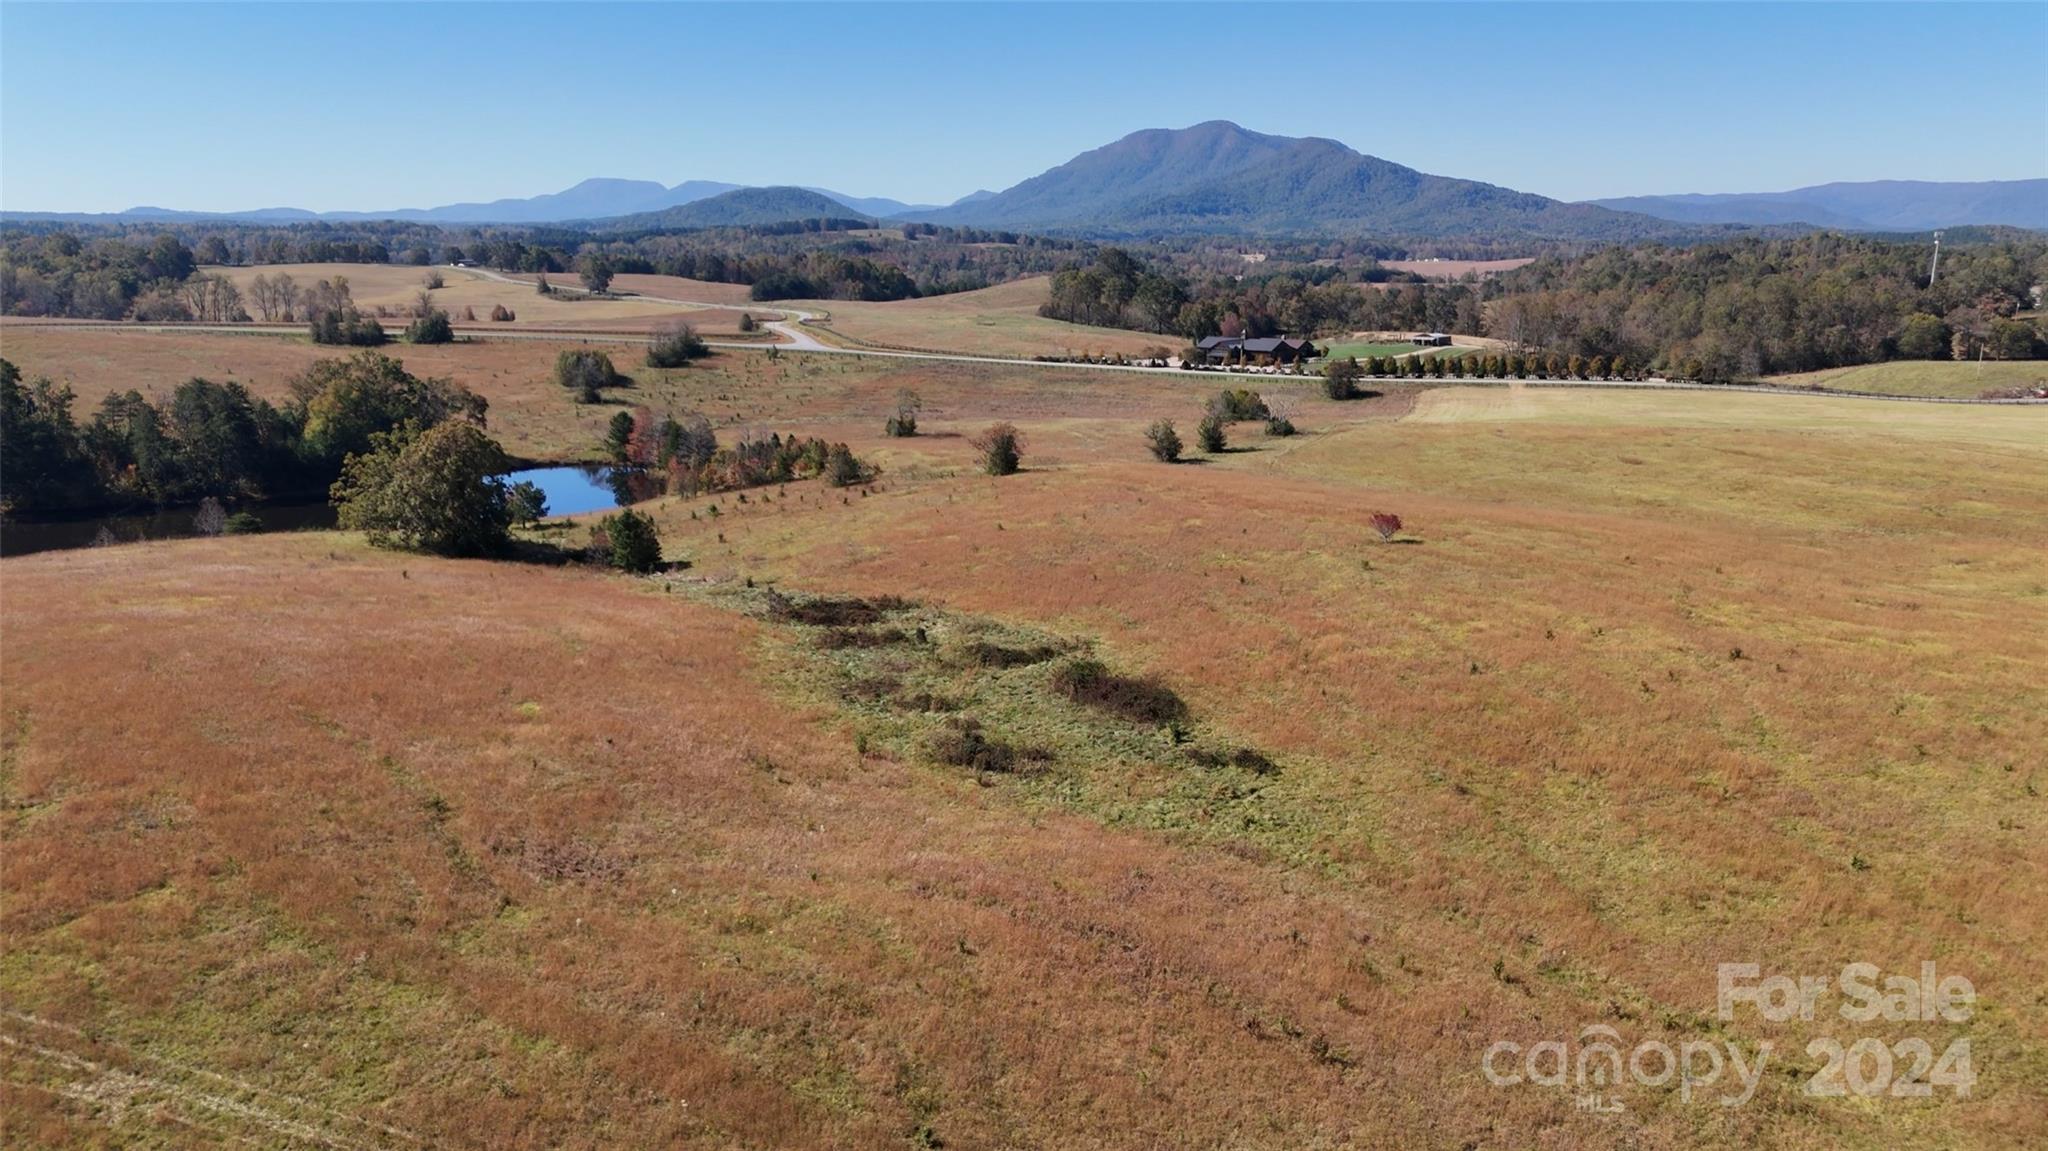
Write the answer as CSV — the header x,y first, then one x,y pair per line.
x,y
1875,206
594,199
1219,178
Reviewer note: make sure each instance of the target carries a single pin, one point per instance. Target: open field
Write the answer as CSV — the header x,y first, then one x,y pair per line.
x,y
532,416
847,396
998,321
1453,269
1363,349
502,855
396,286
1923,377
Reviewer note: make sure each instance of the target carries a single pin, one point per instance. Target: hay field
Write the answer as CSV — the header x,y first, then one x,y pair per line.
x,y
998,321
396,286
1453,269
502,855
1923,378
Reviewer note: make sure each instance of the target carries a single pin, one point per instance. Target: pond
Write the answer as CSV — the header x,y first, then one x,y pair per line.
x,y
570,491
575,489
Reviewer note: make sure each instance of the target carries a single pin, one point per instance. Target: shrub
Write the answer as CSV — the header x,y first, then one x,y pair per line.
x,y
432,328
242,524
345,326
500,314
1001,447
432,281
1235,404
585,372
904,422
631,540
1278,425
748,323
1163,440
829,611
842,469
961,743
1146,700
675,347
526,502
1386,525
1209,433
1340,378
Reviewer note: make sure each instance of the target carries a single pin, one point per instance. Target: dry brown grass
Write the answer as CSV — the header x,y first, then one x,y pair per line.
x,y
310,875
998,321
395,287
510,856
1453,269
532,416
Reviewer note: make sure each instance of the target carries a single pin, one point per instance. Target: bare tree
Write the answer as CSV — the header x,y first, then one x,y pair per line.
x,y
286,294
211,519
263,296
213,299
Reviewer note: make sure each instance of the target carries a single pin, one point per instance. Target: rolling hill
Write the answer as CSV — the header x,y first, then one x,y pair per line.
x,y
739,208
1872,206
1219,177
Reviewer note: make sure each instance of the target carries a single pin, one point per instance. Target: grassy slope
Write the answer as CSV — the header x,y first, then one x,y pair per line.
x,y
396,286
1923,377
998,321
1524,787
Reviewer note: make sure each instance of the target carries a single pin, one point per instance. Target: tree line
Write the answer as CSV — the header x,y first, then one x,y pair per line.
x,y
1735,309
209,439
1122,290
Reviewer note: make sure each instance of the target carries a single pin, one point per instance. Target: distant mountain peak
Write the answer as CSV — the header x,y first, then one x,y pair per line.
x,y
1218,176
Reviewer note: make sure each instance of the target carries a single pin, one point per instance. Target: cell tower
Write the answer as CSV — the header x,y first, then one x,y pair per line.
x,y
1934,265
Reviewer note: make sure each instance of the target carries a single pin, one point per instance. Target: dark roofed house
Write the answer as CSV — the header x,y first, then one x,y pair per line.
x,y
1263,350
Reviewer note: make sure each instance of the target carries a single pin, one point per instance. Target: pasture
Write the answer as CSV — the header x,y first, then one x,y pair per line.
x,y
395,287
1455,269
496,854
1923,377
998,321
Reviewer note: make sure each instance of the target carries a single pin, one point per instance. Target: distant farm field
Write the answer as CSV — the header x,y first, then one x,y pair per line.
x,y
397,286
1453,269
998,321
1923,377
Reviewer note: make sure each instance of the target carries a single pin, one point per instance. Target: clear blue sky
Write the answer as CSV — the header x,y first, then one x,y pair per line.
x,y
364,106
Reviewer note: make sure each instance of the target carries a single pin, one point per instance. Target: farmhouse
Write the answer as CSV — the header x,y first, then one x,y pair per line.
x,y
1266,350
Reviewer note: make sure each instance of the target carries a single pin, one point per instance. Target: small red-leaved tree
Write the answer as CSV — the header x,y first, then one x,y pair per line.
x,y
1386,524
